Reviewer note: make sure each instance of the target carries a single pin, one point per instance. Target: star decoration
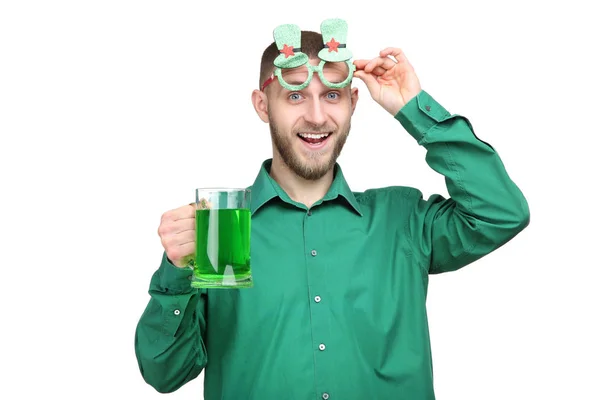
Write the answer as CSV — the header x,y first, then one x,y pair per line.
x,y
287,50
333,45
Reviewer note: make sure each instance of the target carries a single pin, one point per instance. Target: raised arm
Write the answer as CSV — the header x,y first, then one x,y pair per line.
x,y
485,209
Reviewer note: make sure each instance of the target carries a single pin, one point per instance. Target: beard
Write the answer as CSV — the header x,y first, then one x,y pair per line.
x,y
318,164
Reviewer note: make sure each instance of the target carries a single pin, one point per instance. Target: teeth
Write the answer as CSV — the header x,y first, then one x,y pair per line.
x,y
313,135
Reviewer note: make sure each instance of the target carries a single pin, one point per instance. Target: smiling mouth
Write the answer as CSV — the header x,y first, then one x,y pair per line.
x,y
314,138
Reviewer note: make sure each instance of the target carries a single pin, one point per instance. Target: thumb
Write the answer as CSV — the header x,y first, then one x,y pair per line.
x,y
372,85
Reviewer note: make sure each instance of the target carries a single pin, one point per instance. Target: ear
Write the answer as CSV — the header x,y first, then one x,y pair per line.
x,y
353,98
260,102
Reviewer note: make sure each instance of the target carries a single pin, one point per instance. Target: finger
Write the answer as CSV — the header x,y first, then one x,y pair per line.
x,y
173,242
383,62
169,226
379,71
360,64
398,55
185,237
187,249
395,52
183,212
169,230
203,204
369,80
184,225
181,225
179,254
366,78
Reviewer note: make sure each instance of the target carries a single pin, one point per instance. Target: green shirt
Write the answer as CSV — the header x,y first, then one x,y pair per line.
x,y
337,310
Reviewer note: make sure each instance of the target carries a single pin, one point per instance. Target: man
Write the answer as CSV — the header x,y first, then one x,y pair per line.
x,y
337,310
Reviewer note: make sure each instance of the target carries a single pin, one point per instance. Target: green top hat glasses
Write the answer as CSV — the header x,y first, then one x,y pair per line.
x,y
292,67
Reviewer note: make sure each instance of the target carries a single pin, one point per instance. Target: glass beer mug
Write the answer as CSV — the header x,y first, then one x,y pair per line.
x,y
222,255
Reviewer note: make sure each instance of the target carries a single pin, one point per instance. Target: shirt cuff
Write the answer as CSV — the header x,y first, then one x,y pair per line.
x,y
174,279
420,114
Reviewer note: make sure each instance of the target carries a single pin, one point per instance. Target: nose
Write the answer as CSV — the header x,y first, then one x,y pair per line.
x,y
316,112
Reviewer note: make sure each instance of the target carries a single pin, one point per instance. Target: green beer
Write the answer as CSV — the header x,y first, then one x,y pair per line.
x,y
222,256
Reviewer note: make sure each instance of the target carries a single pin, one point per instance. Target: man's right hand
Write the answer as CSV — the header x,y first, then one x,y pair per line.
x,y
177,231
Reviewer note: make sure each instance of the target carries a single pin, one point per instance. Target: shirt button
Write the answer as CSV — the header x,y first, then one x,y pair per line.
x,y
309,213
176,312
325,396
321,347
314,253
317,298
428,108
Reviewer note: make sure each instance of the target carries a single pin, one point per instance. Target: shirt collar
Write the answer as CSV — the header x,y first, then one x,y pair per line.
x,y
266,188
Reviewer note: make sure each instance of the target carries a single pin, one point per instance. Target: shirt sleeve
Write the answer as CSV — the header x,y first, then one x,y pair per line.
x,y
485,210
169,338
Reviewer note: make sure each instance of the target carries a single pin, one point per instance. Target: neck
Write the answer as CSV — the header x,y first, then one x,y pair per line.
x,y
301,190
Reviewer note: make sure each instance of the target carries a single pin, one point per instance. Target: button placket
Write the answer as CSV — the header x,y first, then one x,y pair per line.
x,y
316,265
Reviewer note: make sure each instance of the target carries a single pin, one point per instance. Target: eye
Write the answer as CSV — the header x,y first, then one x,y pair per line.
x,y
294,96
333,95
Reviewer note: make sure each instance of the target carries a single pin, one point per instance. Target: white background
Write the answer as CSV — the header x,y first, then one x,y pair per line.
x,y
112,112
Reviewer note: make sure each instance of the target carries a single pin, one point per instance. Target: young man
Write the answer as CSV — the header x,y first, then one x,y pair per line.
x,y
337,310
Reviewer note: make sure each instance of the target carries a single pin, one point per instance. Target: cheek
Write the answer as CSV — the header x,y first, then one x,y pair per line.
x,y
285,118
340,114
281,120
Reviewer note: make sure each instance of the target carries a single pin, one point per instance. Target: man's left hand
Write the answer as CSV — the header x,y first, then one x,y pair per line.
x,y
391,82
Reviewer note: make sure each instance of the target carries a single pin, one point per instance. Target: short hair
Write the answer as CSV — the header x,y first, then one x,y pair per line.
x,y
311,43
